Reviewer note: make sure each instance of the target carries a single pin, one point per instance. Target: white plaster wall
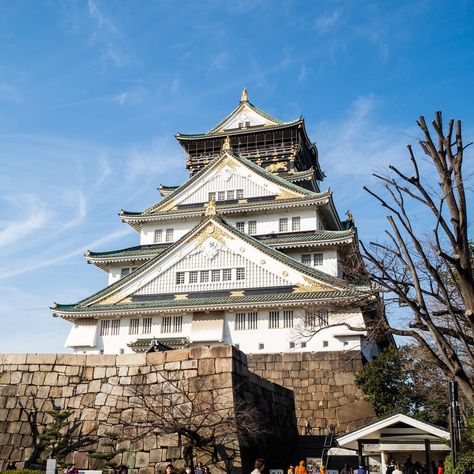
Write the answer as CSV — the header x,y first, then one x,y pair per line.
x,y
330,259
147,233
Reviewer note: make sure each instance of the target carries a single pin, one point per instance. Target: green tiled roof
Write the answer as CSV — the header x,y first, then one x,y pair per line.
x,y
248,163
167,341
216,301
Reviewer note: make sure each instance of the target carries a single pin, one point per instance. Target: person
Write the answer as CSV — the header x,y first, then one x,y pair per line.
x,y
291,469
198,469
418,468
206,470
390,468
169,469
397,469
11,466
307,427
440,468
259,466
322,469
301,468
187,470
361,469
346,469
409,467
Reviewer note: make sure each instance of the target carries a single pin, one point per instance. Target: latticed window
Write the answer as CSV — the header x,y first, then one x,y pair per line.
x,y
230,195
166,324
240,226
240,321
295,223
239,194
146,325
288,319
180,278
221,196
316,318
227,274
252,321
240,274
204,276
115,327
274,320
212,196
306,259
252,227
134,325
317,259
193,277
105,327
158,236
169,235
215,275
177,323
283,224
124,272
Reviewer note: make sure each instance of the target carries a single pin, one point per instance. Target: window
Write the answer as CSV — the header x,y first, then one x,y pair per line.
x,y
261,345
303,345
287,319
239,194
240,226
177,323
169,235
105,327
230,195
221,196
318,259
241,124
252,321
283,225
215,275
146,325
240,321
292,345
240,274
193,277
158,236
247,124
212,196
345,343
316,318
306,259
204,276
134,325
179,278
295,223
227,274
115,327
124,272
166,324
325,343
274,320
252,227
122,350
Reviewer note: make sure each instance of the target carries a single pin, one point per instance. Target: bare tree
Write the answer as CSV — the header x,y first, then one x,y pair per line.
x,y
204,416
426,263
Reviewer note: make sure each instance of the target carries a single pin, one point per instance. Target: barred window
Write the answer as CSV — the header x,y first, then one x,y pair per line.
x,y
325,343
306,259
177,323
240,274
169,235
316,318
317,259
252,227
295,223
115,327
239,193
158,236
134,325
146,325
230,195
212,196
166,324
261,345
193,277
240,321
283,224
227,274
240,226
204,276
252,321
124,272
221,196
179,278
105,327
288,319
292,345
215,275
274,320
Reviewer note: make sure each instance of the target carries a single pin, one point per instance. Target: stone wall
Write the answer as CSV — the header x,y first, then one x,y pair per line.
x,y
100,391
323,386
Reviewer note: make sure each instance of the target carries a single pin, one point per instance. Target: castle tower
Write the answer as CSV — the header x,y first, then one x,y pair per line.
x,y
248,251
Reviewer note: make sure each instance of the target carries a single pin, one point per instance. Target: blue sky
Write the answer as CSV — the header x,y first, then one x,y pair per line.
x,y
92,93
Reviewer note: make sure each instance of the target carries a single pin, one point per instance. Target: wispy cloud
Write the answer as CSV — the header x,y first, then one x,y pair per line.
x,y
130,96
328,21
219,61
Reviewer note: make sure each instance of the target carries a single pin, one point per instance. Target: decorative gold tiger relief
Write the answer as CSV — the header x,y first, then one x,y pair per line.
x,y
277,166
310,286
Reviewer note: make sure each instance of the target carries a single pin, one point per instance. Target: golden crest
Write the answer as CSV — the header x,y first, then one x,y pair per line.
x,y
310,286
235,294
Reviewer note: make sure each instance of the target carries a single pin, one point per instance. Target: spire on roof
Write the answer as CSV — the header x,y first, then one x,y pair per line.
x,y
226,145
244,97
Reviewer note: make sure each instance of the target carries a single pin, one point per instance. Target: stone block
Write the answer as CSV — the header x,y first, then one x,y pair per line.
x,y
206,367
354,411
131,359
106,360
223,365
189,364
94,386
200,353
99,372
100,399
172,366
177,355
5,377
155,455
41,359
149,443
156,358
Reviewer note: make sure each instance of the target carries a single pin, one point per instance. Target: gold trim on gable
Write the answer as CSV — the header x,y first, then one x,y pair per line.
x,y
311,286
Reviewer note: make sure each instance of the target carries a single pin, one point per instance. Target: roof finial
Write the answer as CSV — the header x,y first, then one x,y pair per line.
x,y
211,208
244,97
226,145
